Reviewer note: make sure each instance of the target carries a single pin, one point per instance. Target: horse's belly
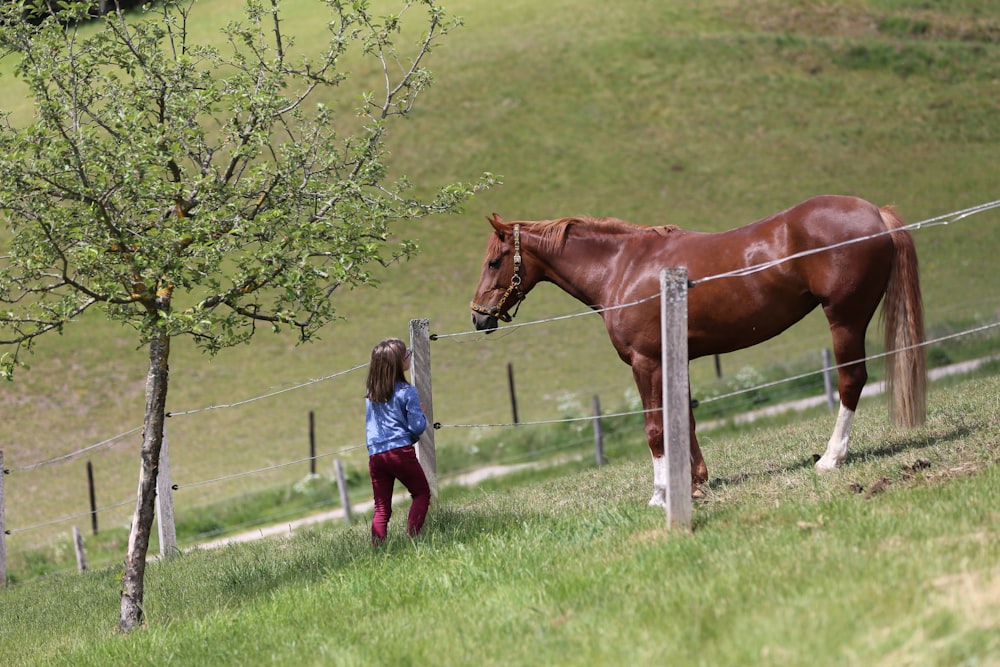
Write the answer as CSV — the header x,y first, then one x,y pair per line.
x,y
737,325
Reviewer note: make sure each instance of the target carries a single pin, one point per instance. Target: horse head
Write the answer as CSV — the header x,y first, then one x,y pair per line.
x,y
500,284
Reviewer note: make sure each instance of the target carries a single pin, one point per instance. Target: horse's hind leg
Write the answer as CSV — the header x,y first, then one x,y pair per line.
x,y
849,346
836,449
699,471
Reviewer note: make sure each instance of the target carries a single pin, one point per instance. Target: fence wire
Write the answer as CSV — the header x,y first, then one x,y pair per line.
x,y
944,219
566,420
940,220
937,221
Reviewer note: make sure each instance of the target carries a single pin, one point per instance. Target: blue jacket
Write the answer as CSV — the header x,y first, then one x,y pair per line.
x,y
396,423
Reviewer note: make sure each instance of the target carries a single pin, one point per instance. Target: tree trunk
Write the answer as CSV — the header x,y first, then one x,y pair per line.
x,y
145,506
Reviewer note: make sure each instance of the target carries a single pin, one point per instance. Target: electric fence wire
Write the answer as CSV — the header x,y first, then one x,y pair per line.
x,y
944,219
940,220
115,438
566,420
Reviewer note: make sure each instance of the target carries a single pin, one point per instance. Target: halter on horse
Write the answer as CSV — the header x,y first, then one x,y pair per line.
x,y
498,311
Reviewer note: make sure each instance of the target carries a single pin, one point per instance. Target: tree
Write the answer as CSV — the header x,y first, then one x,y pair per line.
x,y
188,190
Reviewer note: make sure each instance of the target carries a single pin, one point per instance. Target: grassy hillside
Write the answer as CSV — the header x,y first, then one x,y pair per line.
x,y
889,561
704,116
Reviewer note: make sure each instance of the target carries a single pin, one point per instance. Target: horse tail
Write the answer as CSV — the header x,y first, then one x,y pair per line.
x,y
903,326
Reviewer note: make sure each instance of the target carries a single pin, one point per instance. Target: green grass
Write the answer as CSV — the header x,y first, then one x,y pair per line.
x,y
890,560
549,450
705,116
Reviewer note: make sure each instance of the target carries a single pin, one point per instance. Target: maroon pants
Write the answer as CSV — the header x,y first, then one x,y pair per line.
x,y
385,468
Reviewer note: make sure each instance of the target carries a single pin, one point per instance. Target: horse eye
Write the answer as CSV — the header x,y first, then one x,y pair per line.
x,y
495,264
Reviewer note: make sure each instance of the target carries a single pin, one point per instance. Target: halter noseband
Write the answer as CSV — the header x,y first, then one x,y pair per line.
x,y
515,286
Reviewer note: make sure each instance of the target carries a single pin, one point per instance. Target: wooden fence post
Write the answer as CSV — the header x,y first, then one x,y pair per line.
x,y
598,433
345,501
93,497
676,403
3,530
312,443
165,503
81,555
513,394
420,368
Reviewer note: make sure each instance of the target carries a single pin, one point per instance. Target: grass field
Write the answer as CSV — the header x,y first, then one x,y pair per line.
x,y
704,116
890,560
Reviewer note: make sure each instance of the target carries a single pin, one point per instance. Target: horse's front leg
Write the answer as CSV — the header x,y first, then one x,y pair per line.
x,y
654,436
649,381
699,470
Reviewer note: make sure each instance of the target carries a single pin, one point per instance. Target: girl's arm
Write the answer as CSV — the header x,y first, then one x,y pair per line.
x,y
416,421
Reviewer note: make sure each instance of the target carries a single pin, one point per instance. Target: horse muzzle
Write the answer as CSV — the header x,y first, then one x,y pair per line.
x,y
485,322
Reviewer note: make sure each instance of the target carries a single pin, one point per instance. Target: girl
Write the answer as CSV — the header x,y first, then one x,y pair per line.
x,y
394,420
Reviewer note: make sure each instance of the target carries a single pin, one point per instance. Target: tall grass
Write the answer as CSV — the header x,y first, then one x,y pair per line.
x,y
890,560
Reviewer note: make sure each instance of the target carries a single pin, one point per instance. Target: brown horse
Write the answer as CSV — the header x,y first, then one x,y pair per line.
x,y
748,285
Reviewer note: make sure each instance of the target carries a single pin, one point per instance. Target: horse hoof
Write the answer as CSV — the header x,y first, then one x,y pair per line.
x,y
697,493
825,464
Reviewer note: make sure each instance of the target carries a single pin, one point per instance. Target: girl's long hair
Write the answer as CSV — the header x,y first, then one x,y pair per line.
x,y
385,370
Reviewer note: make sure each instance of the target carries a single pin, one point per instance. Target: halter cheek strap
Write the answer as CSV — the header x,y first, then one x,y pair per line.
x,y
515,286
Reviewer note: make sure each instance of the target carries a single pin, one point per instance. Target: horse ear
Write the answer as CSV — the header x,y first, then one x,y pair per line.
x,y
497,223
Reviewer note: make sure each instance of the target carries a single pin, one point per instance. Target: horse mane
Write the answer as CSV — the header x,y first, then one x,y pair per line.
x,y
553,233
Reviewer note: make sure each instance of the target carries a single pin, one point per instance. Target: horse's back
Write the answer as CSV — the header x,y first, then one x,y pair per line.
x,y
821,218
753,282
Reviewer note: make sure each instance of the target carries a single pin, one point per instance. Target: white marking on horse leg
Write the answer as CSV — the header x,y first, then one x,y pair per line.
x,y
659,498
836,449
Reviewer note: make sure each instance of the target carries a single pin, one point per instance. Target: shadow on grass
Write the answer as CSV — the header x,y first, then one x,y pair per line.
x,y
887,450
248,570
915,441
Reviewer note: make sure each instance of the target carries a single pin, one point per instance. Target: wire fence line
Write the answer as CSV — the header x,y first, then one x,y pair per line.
x,y
590,418
236,404
276,466
84,450
452,474
63,519
945,219
880,355
294,387
940,220
746,390
540,422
